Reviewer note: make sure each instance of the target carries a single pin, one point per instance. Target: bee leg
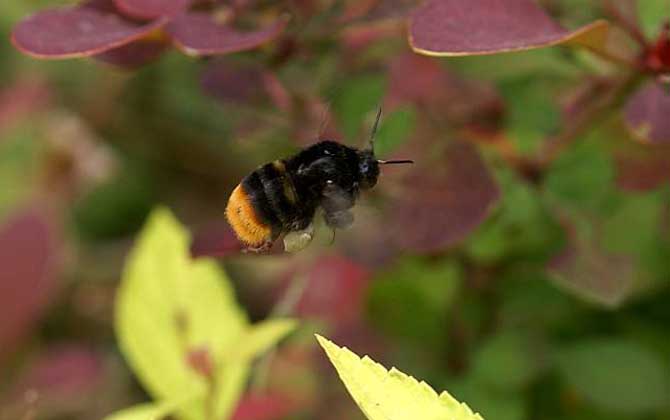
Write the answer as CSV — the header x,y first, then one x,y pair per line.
x,y
262,248
298,240
340,219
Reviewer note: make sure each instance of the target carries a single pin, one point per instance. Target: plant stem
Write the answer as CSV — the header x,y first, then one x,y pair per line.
x,y
284,307
599,108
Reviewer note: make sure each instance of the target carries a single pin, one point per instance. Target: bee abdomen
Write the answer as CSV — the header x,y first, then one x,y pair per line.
x,y
244,218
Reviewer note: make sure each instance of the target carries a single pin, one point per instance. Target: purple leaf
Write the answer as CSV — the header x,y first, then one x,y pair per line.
x,y
255,406
441,206
151,9
27,277
592,273
475,27
642,170
215,239
231,83
199,34
646,114
412,78
23,99
78,31
135,54
335,290
66,371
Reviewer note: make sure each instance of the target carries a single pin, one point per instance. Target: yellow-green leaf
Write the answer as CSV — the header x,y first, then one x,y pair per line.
x,y
169,304
177,318
390,394
149,411
261,337
253,343
140,412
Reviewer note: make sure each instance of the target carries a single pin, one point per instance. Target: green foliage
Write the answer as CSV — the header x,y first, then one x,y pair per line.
x,y
418,286
179,326
617,375
391,395
652,14
115,207
395,129
521,226
507,362
532,111
357,98
582,177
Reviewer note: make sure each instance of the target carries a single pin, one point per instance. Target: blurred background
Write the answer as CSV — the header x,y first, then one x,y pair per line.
x,y
531,289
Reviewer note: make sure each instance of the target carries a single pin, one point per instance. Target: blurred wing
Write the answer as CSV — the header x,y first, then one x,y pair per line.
x,y
336,202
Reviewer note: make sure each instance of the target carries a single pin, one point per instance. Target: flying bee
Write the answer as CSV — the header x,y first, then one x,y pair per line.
x,y
282,197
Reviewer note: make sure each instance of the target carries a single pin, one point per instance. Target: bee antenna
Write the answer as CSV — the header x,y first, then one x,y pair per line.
x,y
394,162
374,129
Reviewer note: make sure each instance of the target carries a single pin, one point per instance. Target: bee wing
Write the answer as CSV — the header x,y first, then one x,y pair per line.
x,y
336,202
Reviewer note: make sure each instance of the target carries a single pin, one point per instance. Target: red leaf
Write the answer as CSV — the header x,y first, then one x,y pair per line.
x,y
134,55
151,9
642,170
66,371
200,34
587,270
441,206
335,290
413,78
230,83
24,98
78,31
215,240
646,114
263,407
455,27
27,277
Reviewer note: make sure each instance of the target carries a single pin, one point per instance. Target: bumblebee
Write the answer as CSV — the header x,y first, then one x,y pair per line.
x,y
282,197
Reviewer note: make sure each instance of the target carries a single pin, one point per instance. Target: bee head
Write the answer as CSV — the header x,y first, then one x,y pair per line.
x,y
368,169
368,164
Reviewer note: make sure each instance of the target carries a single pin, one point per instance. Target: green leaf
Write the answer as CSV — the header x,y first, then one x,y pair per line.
x,y
358,98
506,362
533,112
419,286
252,343
395,129
170,305
391,395
261,337
140,412
652,15
115,207
149,411
151,321
582,177
616,375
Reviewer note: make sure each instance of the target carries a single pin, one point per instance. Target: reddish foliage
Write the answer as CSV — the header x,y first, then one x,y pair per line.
x,y
24,98
263,407
28,277
200,34
335,290
151,9
482,27
136,54
441,206
65,371
646,113
78,31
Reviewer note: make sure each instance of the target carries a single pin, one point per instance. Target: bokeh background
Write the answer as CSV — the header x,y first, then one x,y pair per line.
x,y
529,290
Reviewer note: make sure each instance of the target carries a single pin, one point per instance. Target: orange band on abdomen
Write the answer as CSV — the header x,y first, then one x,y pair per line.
x,y
243,219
